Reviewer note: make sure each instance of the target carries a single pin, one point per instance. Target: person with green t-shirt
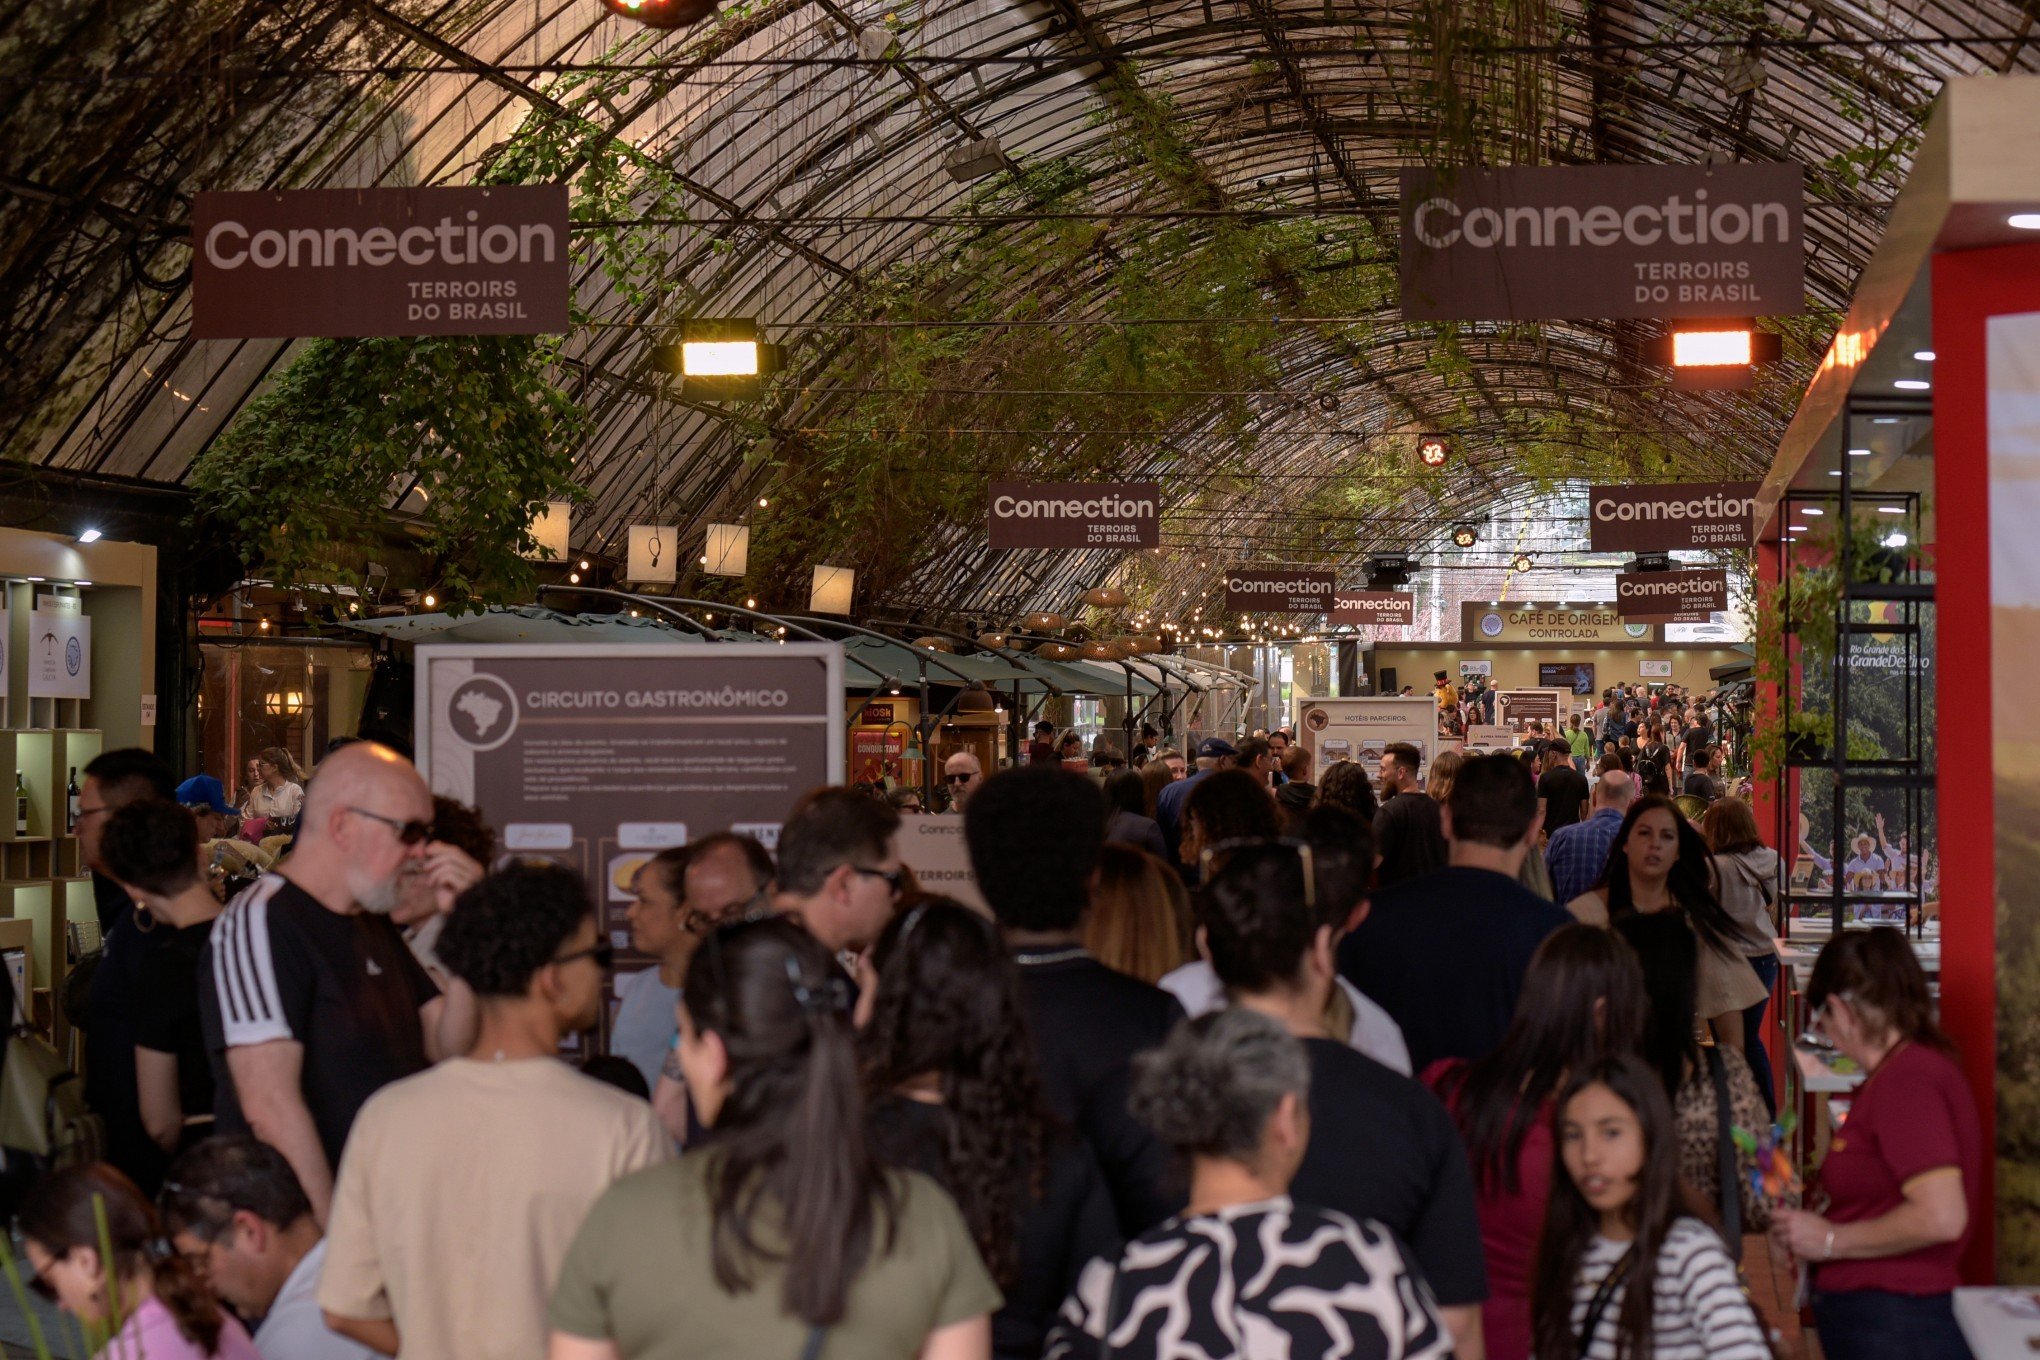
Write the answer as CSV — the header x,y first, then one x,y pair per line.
x,y
781,1235
1580,742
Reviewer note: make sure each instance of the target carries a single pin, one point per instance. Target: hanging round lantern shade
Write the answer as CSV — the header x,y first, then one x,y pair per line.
x,y
934,644
1044,622
995,640
1102,651
1105,597
1056,651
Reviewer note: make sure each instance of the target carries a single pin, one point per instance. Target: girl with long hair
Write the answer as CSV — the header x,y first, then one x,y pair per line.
x,y
1659,862
1746,881
279,792
782,1229
1621,1271
953,1093
1902,1192
153,1301
1582,998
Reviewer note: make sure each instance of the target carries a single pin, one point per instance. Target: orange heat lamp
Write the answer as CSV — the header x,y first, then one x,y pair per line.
x,y
1714,354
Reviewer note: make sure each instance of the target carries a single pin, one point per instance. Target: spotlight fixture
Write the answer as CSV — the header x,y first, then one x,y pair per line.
x,y
1714,354
719,358
1433,450
1652,561
1464,536
89,536
431,600
661,13
1523,562
1385,571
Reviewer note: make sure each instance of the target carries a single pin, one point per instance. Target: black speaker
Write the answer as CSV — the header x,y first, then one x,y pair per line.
x,y
1388,684
1349,668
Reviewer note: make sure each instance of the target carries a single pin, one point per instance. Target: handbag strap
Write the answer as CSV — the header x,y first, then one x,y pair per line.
x,y
813,1349
1604,1294
1724,1137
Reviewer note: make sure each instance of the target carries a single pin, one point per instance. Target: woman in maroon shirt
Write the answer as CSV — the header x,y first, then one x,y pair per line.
x,y
1582,993
1902,1176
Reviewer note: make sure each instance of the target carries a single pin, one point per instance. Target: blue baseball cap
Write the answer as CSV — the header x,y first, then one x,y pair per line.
x,y
202,790
1215,748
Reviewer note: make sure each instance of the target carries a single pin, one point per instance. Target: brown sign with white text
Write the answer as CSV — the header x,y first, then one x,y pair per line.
x,y
1671,516
1531,242
1671,596
1392,607
367,262
1296,591
1075,515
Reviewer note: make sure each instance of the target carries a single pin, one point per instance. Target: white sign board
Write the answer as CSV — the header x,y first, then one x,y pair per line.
x,y
1469,669
1661,669
1486,738
932,845
1360,729
59,655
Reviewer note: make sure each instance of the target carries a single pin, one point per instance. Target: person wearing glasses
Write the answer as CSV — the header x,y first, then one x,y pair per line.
x,y
463,1186
961,775
233,1208
839,867
310,999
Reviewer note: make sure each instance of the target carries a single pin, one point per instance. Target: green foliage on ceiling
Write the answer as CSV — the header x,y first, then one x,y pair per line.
x,y
480,430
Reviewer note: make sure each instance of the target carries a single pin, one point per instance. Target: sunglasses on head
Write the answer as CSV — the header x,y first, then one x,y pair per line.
x,y
410,833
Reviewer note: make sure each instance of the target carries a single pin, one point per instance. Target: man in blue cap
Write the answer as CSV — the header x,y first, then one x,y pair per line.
x,y
204,796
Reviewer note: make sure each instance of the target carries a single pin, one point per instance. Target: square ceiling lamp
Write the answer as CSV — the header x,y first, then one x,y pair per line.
x,y
729,550
654,555
550,529
832,590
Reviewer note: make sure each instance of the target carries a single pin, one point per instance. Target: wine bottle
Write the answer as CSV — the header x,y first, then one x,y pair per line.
x,y
71,804
20,804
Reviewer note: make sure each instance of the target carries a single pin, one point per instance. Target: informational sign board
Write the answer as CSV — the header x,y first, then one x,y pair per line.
x,y
1659,668
59,655
1670,596
1531,242
1671,516
933,847
599,756
1516,709
1296,591
1469,669
1487,737
1392,607
1534,622
1360,729
1574,677
1075,515
357,262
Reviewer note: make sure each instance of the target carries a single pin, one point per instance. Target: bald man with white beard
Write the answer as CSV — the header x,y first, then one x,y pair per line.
x,y
310,999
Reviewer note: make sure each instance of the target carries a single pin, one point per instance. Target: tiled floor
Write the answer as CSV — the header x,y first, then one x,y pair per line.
x,y
1773,1288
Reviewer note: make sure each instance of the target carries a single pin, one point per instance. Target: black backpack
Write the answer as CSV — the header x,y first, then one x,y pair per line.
x,y
1651,773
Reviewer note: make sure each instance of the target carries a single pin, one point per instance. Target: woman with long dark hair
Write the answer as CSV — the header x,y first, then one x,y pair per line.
x,y
1345,784
155,1303
1127,818
782,1229
1621,1271
1659,862
953,1093
1902,1190
1711,1089
1582,998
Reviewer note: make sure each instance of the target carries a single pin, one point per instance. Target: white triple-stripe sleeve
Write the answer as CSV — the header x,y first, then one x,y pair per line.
x,y
244,970
1720,1314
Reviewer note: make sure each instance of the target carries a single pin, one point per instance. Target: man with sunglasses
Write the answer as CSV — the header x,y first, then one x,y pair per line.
x,y
463,1186
310,1000
961,775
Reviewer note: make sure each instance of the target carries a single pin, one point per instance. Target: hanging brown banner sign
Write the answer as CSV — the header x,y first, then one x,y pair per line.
x,y
1671,516
1075,515
1671,596
1531,242
1296,591
362,262
1373,606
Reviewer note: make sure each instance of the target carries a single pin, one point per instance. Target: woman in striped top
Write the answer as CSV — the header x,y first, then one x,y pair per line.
x,y
1621,1272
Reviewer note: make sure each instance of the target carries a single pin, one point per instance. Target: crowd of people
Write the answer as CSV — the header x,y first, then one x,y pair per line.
x,y
1243,1058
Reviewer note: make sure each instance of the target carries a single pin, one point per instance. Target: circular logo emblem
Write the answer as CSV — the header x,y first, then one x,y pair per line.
x,y
74,656
482,712
1491,625
1316,719
1636,630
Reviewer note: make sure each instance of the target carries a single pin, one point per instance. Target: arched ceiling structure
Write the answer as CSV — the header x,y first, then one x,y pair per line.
x,y
1242,149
